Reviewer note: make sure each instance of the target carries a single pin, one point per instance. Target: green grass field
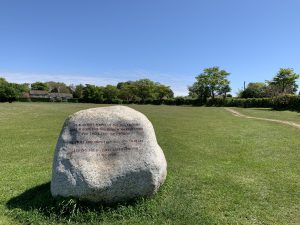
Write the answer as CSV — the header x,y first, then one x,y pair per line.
x,y
271,114
222,169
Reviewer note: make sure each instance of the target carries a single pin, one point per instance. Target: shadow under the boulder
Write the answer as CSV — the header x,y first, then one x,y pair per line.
x,y
39,198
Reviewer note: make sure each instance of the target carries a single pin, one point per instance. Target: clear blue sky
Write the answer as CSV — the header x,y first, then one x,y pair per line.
x,y
167,41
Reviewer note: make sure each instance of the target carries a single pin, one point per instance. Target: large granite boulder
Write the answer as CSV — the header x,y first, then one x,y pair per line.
x,y
107,154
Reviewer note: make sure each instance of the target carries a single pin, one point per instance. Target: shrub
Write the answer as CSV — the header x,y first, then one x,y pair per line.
x,y
179,101
286,102
169,101
23,99
216,102
40,99
291,102
248,102
117,101
73,100
157,102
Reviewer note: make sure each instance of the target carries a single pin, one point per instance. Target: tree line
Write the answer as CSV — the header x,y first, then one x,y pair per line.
x,y
138,91
211,84
284,82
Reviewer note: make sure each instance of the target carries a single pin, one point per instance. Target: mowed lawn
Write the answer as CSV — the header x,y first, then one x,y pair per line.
x,y
222,169
271,114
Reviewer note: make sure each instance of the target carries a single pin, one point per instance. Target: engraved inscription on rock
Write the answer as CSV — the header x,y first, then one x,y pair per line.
x,y
107,154
104,139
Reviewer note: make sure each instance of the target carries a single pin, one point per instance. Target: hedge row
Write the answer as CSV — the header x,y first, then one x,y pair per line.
x,y
281,102
241,102
291,102
45,100
33,99
287,102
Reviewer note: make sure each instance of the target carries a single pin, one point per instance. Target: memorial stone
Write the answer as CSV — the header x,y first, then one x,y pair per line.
x,y
107,154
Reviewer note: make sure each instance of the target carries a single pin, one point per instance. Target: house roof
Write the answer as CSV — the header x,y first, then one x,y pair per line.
x,y
25,95
61,95
38,92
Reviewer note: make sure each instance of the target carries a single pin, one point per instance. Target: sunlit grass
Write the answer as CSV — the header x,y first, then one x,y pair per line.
x,y
221,169
271,114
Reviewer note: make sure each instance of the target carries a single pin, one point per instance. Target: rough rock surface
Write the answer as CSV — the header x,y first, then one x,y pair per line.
x,y
107,154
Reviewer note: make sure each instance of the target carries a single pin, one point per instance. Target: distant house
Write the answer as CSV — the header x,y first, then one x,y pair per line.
x,y
25,95
38,94
60,96
52,96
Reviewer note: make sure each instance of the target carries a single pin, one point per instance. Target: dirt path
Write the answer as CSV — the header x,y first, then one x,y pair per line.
x,y
238,114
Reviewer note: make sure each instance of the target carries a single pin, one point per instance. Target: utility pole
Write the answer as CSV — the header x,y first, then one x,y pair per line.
x,y
244,85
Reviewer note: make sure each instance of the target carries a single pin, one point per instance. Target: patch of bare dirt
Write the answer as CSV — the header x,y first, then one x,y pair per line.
x,y
238,114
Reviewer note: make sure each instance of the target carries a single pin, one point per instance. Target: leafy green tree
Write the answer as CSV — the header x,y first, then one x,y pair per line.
x,y
200,90
210,82
120,85
39,86
20,88
99,95
23,87
163,91
89,92
7,91
224,89
58,87
78,91
254,90
127,91
54,90
110,93
2,80
92,93
145,89
285,81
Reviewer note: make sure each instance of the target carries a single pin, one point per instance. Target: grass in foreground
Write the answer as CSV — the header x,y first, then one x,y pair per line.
x,y
221,169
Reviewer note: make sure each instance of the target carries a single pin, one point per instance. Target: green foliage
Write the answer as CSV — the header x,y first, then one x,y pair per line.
x,y
2,80
291,102
286,102
33,99
285,81
210,82
40,99
255,90
56,87
199,90
78,91
23,99
73,100
145,89
224,89
110,93
163,92
92,93
39,86
142,91
127,91
8,91
21,88
249,102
